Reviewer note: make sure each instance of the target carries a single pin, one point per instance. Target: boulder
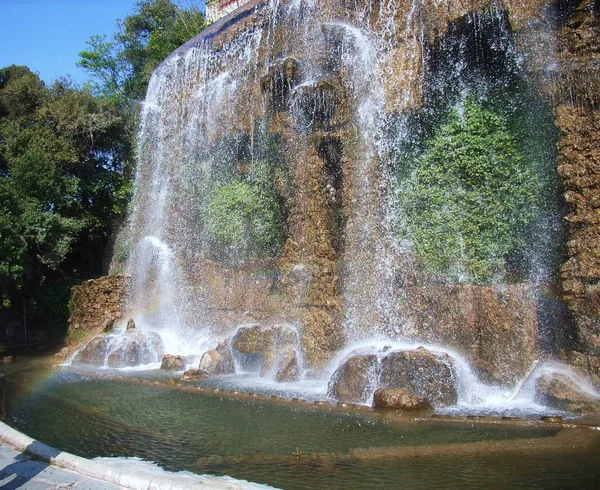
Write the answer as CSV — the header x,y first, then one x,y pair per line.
x,y
399,399
93,353
423,373
562,393
217,361
289,367
172,363
135,348
355,379
194,375
130,325
268,342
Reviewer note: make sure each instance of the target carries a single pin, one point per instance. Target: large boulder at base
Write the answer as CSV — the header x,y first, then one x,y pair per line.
x,y
268,342
562,393
172,363
217,361
355,380
135,348
93,353
289,367
423,373
194,375
399,399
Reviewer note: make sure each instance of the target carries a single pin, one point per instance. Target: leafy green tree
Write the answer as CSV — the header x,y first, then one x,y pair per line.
x,y
121,67
62,185
473,196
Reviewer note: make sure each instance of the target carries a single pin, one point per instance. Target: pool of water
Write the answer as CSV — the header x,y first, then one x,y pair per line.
x,y
95,415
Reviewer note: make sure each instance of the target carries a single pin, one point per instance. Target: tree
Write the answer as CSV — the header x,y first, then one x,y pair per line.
x,y
62,186
121,67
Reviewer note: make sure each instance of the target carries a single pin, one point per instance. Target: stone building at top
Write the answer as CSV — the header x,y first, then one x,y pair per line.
x,y
215,9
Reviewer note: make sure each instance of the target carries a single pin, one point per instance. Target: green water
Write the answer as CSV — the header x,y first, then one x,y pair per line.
x,y
92,415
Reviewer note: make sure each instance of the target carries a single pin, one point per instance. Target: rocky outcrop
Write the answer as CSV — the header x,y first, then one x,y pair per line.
x,y
399,399
289,366
217,361
133,348
423,373
194,375
355,380
577,93
95,306
562,393
172,363
267,342
494,327
94,353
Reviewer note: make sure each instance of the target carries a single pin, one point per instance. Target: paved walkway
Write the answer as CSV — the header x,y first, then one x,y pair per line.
x,y
29,464
18,470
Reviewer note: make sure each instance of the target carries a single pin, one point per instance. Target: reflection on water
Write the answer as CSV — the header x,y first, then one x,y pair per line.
x,y
92,415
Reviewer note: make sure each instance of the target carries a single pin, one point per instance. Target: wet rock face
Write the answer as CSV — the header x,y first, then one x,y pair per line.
x,y
560,392
268,342
355,380
96,305
289,367
131,349
135,348
194,375
217,361
93,353
422,373
494,327
172,363
399,399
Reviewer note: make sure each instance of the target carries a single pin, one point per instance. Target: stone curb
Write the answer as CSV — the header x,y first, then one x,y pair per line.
x,y
136,480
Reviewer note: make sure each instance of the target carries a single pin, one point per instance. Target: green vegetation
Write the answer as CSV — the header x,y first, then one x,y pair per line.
x,y
471,203
245,220
245,216
66,161
121,67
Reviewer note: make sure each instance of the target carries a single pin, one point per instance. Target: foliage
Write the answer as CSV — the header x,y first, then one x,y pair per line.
x,y
472,198
246,218
61,186
121,67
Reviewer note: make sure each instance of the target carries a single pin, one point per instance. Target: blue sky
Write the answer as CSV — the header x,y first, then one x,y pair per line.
x,y
47,35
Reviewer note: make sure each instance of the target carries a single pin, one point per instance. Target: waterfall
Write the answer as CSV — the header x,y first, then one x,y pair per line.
x,y
300,164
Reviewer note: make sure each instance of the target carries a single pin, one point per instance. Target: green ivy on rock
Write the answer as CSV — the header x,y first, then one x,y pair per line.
x,y
472,196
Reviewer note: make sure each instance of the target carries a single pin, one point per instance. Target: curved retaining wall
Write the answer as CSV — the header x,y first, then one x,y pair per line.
x,y
137,480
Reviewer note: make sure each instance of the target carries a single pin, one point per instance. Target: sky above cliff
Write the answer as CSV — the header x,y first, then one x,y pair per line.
x,y
47,35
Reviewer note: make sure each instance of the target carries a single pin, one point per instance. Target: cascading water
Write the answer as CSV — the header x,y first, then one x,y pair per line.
x,y
287,179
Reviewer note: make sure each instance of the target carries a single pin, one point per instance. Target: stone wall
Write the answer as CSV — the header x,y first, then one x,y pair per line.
x,y
577,96
95,306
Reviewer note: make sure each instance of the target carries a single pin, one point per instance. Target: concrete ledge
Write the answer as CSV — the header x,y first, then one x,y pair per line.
x,y
137,480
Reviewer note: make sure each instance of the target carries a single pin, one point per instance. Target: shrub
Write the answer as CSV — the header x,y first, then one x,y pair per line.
x,y
245,220
472,196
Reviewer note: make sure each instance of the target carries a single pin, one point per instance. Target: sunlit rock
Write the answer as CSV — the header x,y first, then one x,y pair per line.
x,y
172,363
217,361
289,367
135,348
399,399
561,392
355,380
423,373
194,375
93,353
268,342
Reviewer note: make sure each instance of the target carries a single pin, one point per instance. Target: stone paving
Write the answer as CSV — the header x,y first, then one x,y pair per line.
x,y
17,470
